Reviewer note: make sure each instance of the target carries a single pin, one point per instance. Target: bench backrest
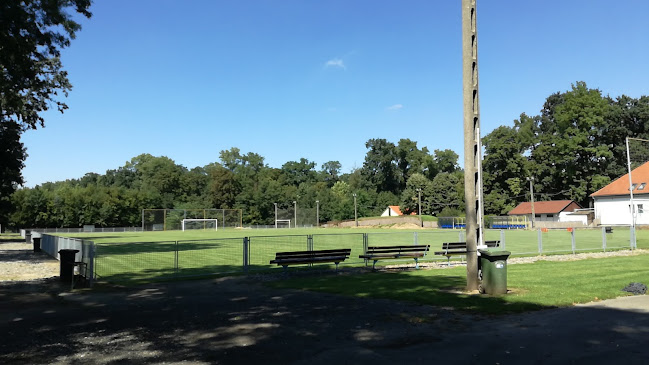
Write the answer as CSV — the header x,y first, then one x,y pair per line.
x,y
462,245
397,249
310,254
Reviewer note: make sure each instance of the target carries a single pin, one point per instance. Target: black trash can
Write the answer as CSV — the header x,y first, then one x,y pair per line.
x,y
37,244
67,264
494,271
28,237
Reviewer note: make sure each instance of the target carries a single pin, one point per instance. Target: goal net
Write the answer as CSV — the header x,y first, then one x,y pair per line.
x,y
171,219
202,224
283,223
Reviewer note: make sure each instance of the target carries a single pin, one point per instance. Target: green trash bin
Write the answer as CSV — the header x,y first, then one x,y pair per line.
x,y
494,272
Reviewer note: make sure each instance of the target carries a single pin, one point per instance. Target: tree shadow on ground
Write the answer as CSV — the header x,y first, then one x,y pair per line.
x,y
237,321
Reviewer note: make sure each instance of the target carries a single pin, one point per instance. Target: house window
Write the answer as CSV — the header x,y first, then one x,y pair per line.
x,y
550,215
640,208
641,186
633,186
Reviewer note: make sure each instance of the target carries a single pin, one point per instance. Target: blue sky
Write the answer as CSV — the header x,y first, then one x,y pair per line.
x,y
316,79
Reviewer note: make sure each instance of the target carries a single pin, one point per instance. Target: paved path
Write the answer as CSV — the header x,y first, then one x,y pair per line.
x,y
239,321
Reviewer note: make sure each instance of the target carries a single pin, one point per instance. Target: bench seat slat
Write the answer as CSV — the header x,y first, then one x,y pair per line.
x,y
308,257
308,260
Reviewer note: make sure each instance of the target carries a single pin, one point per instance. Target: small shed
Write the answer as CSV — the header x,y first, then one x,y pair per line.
x,y
392,211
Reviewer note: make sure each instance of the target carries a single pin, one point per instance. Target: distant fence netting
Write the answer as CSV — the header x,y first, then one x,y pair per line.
x,y
151,261
209,256
171,219
451,222
306,217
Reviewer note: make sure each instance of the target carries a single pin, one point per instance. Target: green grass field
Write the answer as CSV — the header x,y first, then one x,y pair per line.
x,y
135,256
532,286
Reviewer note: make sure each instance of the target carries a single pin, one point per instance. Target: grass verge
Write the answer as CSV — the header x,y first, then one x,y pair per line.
x,y
535,286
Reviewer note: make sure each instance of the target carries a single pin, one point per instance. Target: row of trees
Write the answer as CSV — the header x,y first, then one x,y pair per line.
x,y
573,148
237,181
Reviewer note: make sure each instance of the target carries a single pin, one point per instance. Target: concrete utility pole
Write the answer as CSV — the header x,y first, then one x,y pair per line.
x,y
472,143
420,220
276,215
295,214
355,214
531,180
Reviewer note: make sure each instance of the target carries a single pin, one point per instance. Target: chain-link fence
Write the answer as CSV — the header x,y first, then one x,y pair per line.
x,y
150,261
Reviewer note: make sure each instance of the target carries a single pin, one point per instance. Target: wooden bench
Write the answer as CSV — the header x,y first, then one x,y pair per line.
x,y
459,248
377,253
311,257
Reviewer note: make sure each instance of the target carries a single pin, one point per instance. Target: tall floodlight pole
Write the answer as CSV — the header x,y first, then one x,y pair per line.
x,y
276,215
631,204
295,213
472,145
317,213
420,220
355,212
531,180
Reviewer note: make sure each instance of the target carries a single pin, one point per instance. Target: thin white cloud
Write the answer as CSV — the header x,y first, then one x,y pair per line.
x,y
335,62
394,107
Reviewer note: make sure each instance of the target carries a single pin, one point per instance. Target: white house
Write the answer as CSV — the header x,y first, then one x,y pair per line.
x,y
613,202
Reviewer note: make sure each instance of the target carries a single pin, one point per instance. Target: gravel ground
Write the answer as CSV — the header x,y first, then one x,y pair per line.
x,y
19,262
240,321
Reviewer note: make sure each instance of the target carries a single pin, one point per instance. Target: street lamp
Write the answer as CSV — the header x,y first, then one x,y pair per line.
x,y
531,180
317,213
295,203
355,212
275,215
420,220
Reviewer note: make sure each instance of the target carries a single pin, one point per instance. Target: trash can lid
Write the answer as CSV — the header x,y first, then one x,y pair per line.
x,y
495,253
68,250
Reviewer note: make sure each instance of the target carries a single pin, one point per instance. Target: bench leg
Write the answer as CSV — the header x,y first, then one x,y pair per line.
x,y
416,263
336,266
374,265
448,261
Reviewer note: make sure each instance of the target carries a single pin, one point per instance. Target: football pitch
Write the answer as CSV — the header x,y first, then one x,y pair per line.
x,y
146,256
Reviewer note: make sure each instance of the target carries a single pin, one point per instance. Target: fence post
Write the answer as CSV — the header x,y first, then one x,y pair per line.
x,y
461,236
540,240
91,264
246,253
416,239
632,238
365,240
502,238
572,237
176,260
309,242
604,239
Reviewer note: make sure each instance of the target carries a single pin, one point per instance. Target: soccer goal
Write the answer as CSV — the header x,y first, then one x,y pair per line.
x,y
283,223
204,224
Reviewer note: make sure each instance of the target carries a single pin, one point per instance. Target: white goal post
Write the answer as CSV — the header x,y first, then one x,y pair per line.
x,y
205,224
281,222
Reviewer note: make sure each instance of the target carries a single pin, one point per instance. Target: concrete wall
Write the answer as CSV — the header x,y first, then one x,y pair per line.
x,y
385,221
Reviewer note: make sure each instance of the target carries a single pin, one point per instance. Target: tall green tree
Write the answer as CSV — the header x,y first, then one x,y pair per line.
x,y
32,35
380,168
568,155
12,161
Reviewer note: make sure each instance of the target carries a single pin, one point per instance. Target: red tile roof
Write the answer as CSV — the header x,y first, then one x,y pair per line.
x,y
396,209
621,185
546,207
